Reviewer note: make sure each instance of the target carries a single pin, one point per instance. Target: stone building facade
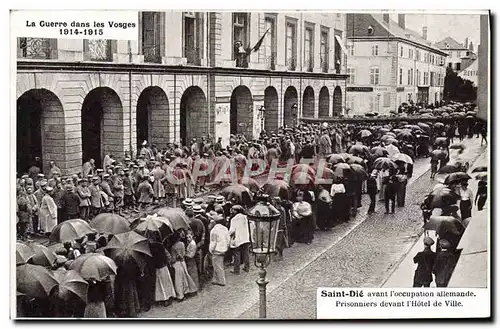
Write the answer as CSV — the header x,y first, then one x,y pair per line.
x,y
182,79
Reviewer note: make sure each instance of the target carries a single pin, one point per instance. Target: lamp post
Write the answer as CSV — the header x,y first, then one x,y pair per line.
x,y
262,112
263,219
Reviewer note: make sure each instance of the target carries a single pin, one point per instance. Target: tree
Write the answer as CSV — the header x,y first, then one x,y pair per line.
x,y
458,89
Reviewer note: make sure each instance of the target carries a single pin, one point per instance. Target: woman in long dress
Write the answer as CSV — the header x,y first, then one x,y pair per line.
x,y
184,284
192,268
96,295
164,288
126,298
302,213
48,212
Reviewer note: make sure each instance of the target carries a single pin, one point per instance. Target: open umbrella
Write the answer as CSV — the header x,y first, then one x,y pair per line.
x,y
70,230
34,281
384,130
438,125
441,141
436,222
238,192
357,149
126,248
379,151
355,159
250,183
359,171
403,158
176,217
154,228
305,168
326,173
277,187
424,126
335,158
448,169
427,116
480,169
302,180
110,223
405,135
365,133
342,170
23,253
456,177
43,256
384,163
70,284
392,150
443,197
390,133
482,176
94,266
457,147
439,154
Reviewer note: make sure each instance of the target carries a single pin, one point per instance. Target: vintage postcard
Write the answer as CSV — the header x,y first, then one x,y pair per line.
x,y
250,164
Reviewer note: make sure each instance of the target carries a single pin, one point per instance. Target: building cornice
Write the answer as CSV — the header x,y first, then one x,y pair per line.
x,y
50,65
393,38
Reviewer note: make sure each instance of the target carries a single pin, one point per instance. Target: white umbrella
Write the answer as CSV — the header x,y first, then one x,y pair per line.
x,y
392,150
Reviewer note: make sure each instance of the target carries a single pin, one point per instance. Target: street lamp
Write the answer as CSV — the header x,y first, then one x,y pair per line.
x,y
263,219
262,112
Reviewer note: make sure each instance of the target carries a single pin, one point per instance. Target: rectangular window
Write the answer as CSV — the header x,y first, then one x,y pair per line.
x,y
410,53
291,46
309,49
457,66
323,52
349,102
151,36
240,38
416,78
269,42
408,81
401,51
192,49
375,50
449,65
400,76
417,55
351,72
350,50
409,97
37,48
374,76
387,99
411,76
432,79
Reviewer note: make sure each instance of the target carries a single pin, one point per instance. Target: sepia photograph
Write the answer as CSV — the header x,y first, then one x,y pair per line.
x,y
238,164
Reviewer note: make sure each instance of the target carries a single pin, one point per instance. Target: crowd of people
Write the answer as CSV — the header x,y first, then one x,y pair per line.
x,y
364,157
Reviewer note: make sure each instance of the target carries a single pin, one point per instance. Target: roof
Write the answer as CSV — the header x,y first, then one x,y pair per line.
x,y
451,43
466,67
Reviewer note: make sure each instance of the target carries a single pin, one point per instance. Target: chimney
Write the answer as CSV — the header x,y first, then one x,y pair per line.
x,y
424,32
401,21
386,18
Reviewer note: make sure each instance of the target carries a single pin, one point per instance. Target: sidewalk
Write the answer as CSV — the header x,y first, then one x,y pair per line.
x,y
402,277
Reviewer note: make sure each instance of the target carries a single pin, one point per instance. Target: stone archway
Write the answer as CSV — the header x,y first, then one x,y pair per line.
x,y
194,116
337,101
152,117
271,104
102,125
241,112
290,99
324,103
40,129
308,103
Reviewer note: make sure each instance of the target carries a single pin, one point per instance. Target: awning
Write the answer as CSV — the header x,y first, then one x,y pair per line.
x,y
341,42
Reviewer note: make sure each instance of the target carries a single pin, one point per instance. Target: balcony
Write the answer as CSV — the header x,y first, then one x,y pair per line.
x,y
98,50
151,53
270,61
192,55
37,48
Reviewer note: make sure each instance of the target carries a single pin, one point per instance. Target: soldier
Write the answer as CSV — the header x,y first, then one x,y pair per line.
x,y
106,188
119,191
425,260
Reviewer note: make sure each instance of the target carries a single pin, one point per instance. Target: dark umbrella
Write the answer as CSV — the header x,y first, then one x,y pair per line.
x,y
355,159
128,247
94,266
357,149
277,187
441,141
438,125
456,177
359,171
70,230
402,158
390,133
176,217
154,228
70,284
438,223
302,180
305,168
457,147
448,169
34,281
43,256
23,253
110,223
250,183
443,197
239,192
480,169
365,133
379,151
482,176
335,158
424,126
384,130
439,154
405,135
342,170
384,163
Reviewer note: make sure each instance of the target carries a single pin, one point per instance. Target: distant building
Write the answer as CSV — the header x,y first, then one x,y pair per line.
x,y
470,72
459,55
389,64
483,87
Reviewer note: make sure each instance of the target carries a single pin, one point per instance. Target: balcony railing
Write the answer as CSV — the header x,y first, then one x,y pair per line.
x,y
270,61
36,48
99,50
192,55
151,53
291,63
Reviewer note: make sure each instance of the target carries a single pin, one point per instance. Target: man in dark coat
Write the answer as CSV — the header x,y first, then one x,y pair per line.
x,y
70,204
390,191
372,190
425,260
446,259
